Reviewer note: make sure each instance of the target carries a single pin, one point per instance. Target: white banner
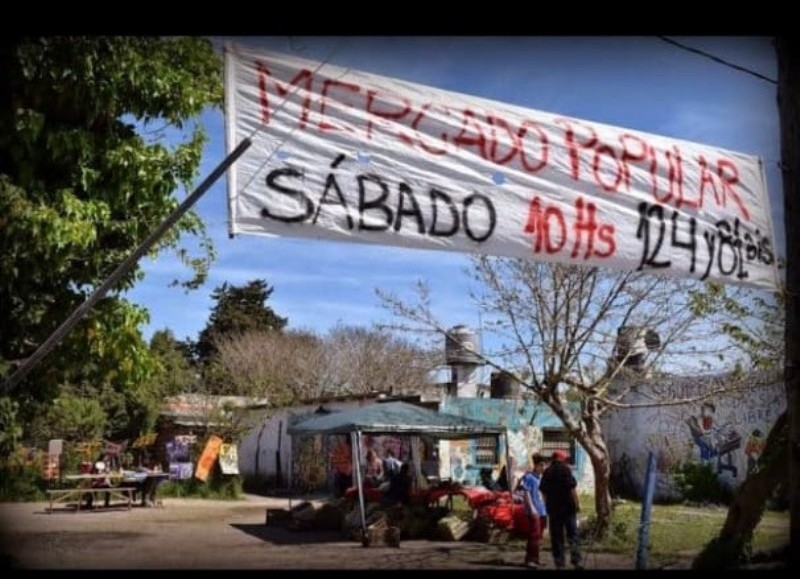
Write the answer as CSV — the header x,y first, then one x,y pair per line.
x,y
229,459
346,155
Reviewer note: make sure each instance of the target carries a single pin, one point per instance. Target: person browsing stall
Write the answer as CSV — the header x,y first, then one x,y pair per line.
x,y
342,463
391,464
399,491
373,469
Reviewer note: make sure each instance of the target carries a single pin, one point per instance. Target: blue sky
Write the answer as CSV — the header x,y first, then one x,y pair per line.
x,y
641,83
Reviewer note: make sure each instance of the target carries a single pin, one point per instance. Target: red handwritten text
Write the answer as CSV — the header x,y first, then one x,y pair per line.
x,y
612,161
551,232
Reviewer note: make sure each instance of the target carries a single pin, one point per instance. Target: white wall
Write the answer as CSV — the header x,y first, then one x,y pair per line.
x,y
722,436
262,441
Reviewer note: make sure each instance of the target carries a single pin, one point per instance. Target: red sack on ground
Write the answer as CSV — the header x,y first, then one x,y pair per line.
x,y
501,515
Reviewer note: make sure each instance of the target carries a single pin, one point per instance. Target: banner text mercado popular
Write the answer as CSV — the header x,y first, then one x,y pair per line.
x,y
346,155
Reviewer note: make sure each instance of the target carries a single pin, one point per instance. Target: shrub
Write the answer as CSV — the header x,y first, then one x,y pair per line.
x,y
697,482
218,486
21,476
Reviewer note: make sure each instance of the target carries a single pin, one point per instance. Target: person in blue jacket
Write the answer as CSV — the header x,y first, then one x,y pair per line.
x,y
535,510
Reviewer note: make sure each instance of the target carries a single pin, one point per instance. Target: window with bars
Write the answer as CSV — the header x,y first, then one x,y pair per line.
x,y
486,451
558,439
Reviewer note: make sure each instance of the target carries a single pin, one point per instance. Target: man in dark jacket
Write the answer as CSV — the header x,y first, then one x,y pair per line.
x,y
399,490
559,488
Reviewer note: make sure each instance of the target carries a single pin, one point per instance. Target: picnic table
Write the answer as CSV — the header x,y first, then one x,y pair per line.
x,y
84,487
122,486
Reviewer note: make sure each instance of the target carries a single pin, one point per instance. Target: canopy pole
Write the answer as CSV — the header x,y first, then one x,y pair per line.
x,y
416,460
355,439
509,474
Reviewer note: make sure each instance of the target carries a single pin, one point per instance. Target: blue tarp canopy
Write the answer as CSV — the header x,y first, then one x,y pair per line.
x,y
396,418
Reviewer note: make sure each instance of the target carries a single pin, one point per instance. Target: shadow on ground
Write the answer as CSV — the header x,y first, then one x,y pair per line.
x,y
283,536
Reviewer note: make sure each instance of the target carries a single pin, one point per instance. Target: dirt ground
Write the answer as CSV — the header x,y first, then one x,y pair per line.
x,y
206,534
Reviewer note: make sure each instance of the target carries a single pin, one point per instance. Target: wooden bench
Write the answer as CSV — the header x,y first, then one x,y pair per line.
x,y
63,496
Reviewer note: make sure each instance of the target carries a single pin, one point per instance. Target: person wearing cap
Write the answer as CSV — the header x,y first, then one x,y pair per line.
x,y
559,488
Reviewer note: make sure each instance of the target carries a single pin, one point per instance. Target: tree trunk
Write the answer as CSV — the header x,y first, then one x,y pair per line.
x,y
595,446
602,496
729,549
788,52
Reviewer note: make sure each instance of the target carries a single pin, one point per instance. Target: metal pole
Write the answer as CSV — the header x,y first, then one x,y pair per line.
x,y
509,474
644,523
355,443
55,338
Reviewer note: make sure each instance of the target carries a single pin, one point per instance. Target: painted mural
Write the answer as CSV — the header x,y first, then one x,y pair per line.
x,y
726,432
525,420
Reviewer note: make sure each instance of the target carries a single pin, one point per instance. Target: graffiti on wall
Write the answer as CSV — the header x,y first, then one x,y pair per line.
x,y
525,421
716,442
727,432
521,445
460,460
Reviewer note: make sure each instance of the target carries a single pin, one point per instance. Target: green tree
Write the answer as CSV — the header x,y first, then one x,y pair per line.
x,y
77,418
85,175
173,373
238,310
176,372
10,428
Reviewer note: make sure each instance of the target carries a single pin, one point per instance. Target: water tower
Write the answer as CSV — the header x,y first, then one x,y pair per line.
x,y
504,385
633,344
462,354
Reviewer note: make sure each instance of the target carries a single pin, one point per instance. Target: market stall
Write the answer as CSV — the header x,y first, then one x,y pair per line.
x,y
396,418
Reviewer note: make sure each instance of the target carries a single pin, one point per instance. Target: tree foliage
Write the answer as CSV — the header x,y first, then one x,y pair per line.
x,y
297,366
176,372
77,418
10,427
363,360
81,185
173,373
279,367
238,310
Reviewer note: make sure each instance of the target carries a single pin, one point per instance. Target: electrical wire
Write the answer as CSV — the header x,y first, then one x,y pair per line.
x,y
716,59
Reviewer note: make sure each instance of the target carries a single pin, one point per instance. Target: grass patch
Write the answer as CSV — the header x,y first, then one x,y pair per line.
x,y
676,532
679,531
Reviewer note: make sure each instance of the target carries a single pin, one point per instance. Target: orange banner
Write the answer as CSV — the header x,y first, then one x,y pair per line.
x,y
206,462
